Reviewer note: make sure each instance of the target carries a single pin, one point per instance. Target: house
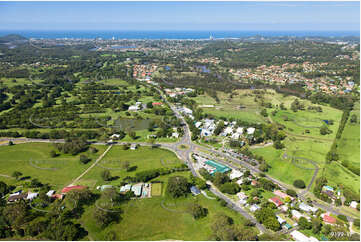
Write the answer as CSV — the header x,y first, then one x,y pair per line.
x,y
198,124
70,188
103,187
235,174
57,196
242,196
353,204
254,183
187,111
157,103
250,131
32,195
276,201
175,135
282,194
137,189
328,188
235,136
328,219
280,220
133,146
125,188
239,182
115,136
286,226
284,208
298,236
254,208
239,130
15,198
133,108
50,193
228,131
296,215
195,191
305,207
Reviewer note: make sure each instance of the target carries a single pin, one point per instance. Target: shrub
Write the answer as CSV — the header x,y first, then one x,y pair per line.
x,y
299,184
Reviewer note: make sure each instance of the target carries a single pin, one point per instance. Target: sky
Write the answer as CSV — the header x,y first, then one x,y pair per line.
x,y
266,16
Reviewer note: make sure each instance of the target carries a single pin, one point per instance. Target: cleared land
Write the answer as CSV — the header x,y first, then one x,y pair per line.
x,y
157,222
33,161
141,159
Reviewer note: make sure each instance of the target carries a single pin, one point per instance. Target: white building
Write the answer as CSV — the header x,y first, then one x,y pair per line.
x,y
198,124
239,130
32,195
305,207
235,174
250,131
50,193
353,204
254,208
295,214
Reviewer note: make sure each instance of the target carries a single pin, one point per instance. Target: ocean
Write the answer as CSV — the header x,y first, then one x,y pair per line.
x,y
92,34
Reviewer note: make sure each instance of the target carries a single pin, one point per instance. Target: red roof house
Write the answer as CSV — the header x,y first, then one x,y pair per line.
x,y
328,219
157,103
276,201
70,188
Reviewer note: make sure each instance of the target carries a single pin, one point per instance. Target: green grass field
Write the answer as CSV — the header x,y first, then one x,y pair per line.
x,y
156,189
33,160
143,158
349,144
281,169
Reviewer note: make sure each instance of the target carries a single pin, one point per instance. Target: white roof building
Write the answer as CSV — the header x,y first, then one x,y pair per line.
x,y
175,135
133,108
251,130
32,195
228,130
239,182
235,136
254,208
50,193
280,220
353,204
305,207
239,130
187,111
296,214
198,124
235,174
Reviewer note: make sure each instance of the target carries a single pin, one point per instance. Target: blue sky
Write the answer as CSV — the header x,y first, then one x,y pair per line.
x,y
296,16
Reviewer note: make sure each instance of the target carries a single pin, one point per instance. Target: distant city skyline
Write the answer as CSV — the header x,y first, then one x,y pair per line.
x,y
266,16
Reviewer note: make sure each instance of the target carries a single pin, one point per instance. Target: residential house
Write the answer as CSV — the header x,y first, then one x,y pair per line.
x,y
104,187
282,194
235,174
195,191
15,198
133,146
125,188
71,188
254,208
305,207
276,201
50,193
280,220
137,189
353,204
298,236
296,215
31,195
327,219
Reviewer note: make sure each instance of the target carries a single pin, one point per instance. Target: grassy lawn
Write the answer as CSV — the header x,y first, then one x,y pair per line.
x,y
349,144
33,160
156,189
146,219
141,159
281,169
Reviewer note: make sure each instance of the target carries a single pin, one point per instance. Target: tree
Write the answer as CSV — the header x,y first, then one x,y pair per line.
x,y
177,186
84,159
16,214
278,145
291,192
325,130
132,135
264,113
53,153
230,188
106,175
126,165
299,183
197,211
316,225
220,178
77,198
3,188
304,224
272,223
17,174
103,217
353,118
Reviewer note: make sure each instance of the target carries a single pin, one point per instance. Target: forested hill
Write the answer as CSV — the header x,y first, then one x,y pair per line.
x,y
11,37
